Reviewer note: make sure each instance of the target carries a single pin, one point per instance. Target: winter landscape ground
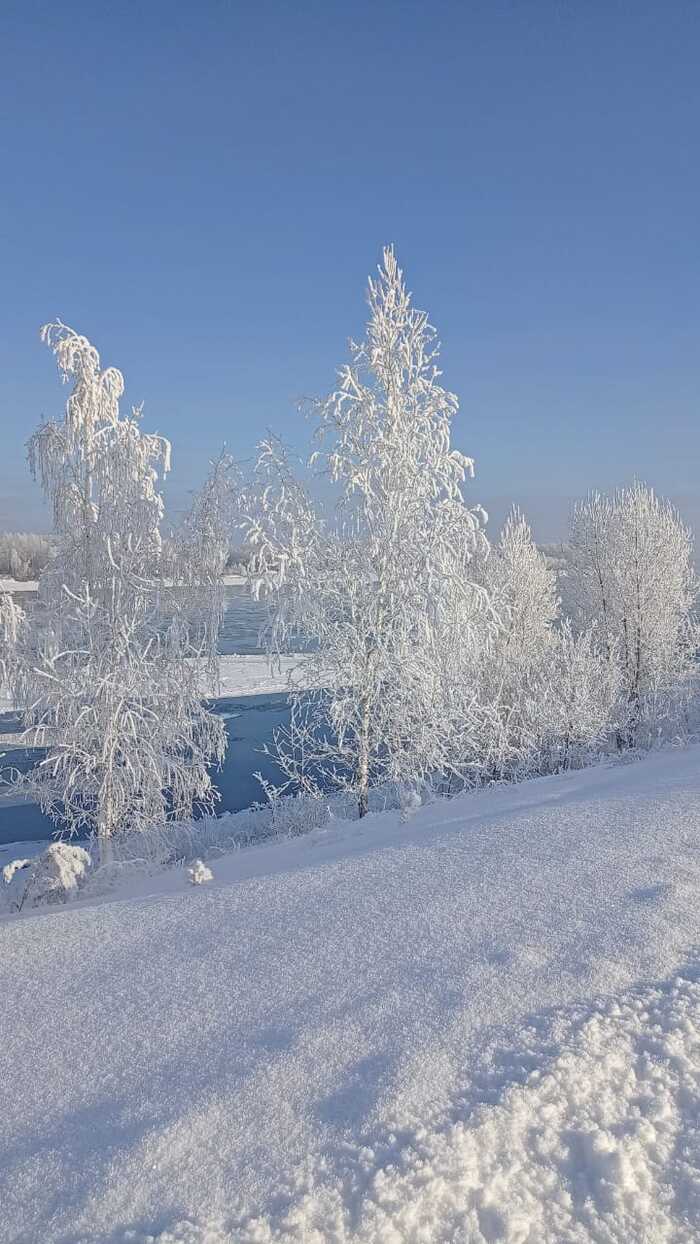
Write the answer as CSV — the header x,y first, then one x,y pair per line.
x,y
478,1024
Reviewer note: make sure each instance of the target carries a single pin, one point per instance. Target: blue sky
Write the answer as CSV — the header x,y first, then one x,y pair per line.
x,y
202,190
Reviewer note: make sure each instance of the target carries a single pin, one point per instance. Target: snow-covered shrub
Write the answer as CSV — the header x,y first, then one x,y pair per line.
x,y
409,802
198,873
575,710
181,843
52,877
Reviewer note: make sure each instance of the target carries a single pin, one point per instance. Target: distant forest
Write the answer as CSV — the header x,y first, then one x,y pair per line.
x,y
23,554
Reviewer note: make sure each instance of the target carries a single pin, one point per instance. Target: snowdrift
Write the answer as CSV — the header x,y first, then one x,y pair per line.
x,y
482,1024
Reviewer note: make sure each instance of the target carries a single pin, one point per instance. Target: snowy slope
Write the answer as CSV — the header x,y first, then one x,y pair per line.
x,y
482,1025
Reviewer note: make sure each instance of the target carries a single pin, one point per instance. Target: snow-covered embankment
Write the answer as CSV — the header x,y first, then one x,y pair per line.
x,y
480,1025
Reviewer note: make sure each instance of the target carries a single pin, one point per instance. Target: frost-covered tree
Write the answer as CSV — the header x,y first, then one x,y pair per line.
x,y
547,696
522,587
631,572
383,591
13,621
104,674
577,701
199,554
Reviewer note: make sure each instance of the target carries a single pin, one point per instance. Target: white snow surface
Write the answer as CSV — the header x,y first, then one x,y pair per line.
x,y
481,1024
253,675
198,873
244,675
32,585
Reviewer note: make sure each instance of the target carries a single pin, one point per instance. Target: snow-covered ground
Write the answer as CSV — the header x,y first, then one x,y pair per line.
x,y
252,675
239,675
482,1024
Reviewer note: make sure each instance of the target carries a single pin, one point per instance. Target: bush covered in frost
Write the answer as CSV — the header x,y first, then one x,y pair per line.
x,y
52,877
198,873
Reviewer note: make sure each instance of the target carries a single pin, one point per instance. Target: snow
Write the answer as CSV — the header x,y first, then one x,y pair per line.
x,y
478,1024
32,585
245,675
252,675
198,873
19,585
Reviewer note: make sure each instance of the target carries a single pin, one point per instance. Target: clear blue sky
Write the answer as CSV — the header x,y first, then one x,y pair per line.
x,y
203,188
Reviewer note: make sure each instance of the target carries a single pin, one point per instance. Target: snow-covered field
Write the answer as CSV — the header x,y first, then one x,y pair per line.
x,y
482,1024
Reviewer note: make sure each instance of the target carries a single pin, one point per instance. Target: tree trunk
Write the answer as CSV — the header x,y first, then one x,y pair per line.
x,y
104,847
104,829
363,760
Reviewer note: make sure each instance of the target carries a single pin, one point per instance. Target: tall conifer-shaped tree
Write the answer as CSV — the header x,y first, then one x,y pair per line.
x,y
383,588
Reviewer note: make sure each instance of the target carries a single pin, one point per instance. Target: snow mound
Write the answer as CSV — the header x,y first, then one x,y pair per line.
x,y
597,1146
198,873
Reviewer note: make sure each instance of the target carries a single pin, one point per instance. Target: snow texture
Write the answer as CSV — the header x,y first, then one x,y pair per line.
x,y
479,1025
253,675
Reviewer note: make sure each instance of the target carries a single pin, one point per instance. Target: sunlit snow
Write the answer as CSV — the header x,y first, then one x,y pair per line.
x,y
480,1024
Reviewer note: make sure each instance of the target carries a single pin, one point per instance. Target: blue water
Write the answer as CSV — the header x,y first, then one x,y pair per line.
x,y
242,623
250,722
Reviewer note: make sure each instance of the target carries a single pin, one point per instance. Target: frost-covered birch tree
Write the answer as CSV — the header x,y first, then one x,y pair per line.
x,y
576,708
383,589
632,573
104,674
547,696
13,622
200,552
523,589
